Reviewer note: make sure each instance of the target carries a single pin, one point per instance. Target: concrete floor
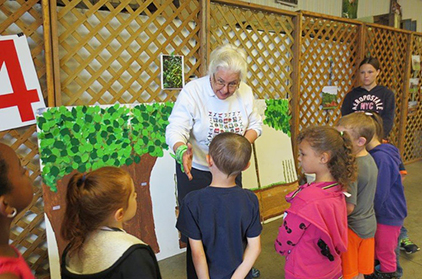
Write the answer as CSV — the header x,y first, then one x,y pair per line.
x,y
271,264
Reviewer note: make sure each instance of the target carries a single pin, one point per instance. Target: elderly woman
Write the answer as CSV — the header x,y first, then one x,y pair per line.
x,y
216,103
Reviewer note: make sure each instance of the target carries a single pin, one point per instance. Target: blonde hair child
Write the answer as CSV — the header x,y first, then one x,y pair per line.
x,y
358,260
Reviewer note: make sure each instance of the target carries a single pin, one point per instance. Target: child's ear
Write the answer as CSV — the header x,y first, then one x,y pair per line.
x,y
325,157
5,209
209,160
247,166
119,214
3,206
362,141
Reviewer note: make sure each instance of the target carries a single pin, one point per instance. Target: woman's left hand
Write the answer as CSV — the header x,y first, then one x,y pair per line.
x,y
187,161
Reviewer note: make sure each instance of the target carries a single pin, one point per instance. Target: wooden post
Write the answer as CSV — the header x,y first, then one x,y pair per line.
x,y
205,36
55,52
405,100
361,53
48,53
297,35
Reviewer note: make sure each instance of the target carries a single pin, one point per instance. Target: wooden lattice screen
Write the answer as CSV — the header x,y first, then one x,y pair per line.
x,y
391,48
267,38
28,231
328,56
412,149
110,51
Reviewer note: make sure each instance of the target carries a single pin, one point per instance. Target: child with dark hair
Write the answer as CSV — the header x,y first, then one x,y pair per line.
x,y
390,202
15,195
222,221
370,96
314,230
98,203
358,259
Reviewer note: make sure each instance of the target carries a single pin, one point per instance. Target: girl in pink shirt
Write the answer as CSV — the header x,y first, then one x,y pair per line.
x,y
314,229
15,195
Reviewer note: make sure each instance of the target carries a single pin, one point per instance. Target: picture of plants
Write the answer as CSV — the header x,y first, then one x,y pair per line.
x,y
350,8
86,138
172,73
413,102
329,97
416,63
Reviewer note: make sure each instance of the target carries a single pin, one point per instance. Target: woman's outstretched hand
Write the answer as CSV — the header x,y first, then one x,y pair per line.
x,y
187,161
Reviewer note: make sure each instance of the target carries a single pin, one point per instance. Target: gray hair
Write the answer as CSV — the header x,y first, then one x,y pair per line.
x,y
230,58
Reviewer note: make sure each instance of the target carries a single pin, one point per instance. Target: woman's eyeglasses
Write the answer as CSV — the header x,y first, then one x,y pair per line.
x,y
221,83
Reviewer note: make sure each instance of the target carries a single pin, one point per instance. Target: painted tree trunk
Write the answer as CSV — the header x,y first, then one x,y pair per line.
x,y
142,225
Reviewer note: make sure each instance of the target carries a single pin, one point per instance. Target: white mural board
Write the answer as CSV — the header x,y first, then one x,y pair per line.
x,y
274,157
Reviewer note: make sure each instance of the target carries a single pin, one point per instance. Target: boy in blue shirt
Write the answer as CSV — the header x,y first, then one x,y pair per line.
x,y
222,221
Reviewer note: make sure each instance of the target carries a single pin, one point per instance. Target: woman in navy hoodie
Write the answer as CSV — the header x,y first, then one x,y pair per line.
x,y
370,96
389,204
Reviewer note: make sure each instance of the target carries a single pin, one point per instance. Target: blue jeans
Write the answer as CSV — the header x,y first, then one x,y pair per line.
x,y
403,234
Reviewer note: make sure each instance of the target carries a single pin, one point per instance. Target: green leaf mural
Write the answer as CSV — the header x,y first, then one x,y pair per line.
x,y
86,138
277,115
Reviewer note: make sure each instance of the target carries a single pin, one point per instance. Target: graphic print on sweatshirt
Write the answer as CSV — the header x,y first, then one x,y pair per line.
x,y
221,122
368,102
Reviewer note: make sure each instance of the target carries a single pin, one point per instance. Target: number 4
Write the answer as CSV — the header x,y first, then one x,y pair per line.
x,y
21,96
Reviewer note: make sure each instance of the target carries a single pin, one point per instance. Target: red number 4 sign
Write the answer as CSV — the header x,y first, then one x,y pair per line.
x,y
17,74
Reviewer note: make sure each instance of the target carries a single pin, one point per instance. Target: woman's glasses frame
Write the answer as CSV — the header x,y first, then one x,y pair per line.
x,y
232,86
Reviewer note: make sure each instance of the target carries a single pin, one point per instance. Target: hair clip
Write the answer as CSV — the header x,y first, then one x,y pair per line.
x,y
369,113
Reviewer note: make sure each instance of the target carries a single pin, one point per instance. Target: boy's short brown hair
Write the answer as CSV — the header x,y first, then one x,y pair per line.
x,y
230,152
360,123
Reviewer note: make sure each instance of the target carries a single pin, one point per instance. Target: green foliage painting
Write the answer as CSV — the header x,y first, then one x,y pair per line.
x,y
86,138
277,115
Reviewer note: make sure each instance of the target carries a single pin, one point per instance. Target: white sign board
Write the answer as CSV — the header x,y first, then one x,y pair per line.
x,y
20,91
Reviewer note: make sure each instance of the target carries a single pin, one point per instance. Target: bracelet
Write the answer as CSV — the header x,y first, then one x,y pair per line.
x,y
178,156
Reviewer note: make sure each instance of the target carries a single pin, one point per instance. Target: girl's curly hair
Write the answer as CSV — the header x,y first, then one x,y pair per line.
x,y
338,145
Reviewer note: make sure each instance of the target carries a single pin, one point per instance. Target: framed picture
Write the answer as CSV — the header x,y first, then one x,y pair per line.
x,y
329,97
416,63
350,8
172,73
413,90
292,3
